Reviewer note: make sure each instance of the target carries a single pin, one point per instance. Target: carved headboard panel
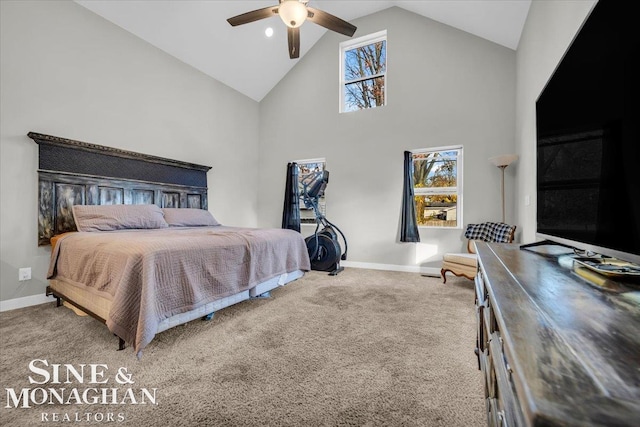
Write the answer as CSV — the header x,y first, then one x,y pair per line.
x,y
78,173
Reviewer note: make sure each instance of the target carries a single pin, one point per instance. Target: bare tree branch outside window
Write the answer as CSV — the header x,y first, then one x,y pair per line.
x,y
364,75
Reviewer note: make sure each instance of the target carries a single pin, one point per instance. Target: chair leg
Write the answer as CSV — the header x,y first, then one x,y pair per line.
x,y
444,277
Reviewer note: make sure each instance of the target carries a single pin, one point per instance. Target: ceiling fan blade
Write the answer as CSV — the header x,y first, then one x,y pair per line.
x,y
254,15
331,22
293,34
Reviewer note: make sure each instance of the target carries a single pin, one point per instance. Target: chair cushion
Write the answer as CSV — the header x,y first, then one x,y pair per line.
x,y
470,260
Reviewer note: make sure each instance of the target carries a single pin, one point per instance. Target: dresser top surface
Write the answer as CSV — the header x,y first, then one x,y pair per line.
x,y
575,345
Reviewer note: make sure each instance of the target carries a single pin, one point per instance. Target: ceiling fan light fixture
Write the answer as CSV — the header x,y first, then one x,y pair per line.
x,y
292,12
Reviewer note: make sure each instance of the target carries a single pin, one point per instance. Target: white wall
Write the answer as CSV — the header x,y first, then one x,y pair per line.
x,y
548,32
445,87
67,72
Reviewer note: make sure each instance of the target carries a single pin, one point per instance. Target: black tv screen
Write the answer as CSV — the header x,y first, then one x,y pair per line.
x,y
588,138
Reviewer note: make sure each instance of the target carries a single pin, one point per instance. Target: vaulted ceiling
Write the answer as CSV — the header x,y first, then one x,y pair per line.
x,y
244,58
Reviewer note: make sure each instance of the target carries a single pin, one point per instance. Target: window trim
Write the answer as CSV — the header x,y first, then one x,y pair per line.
x,y
441,190
354,44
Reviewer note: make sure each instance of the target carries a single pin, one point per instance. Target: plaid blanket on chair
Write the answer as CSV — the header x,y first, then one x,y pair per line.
x,y
490,232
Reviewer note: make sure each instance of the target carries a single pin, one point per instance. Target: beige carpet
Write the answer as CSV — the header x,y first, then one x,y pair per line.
x,y
364,348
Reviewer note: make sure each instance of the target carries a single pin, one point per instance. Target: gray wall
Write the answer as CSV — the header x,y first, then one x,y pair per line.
x,y
67,72
548,32
445,87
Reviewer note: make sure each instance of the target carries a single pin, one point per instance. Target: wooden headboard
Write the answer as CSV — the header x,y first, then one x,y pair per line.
x,y
78,173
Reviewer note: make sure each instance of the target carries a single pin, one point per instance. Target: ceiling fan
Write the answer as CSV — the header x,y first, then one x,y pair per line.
x,y
293,14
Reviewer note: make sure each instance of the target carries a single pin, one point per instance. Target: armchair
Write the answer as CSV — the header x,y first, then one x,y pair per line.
x,y
466,264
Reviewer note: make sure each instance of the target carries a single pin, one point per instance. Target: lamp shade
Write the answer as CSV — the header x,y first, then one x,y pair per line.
x,y
504,160
293,13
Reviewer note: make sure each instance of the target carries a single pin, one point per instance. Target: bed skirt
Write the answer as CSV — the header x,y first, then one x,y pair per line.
x,y
98,306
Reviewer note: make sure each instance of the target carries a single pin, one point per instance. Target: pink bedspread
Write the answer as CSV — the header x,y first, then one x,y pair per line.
x,y
154,274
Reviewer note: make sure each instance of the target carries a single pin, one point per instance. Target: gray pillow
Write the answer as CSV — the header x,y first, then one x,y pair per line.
x,y
177,217
117,217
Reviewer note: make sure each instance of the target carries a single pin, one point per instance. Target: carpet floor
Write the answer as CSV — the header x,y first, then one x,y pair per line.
x,y
364,348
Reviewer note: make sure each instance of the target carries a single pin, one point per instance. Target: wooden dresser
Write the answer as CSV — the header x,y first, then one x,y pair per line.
x,y
555,350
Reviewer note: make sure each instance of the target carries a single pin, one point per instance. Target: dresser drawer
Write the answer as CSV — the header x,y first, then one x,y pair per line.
x,y
502,381
487,374
481,336
481,290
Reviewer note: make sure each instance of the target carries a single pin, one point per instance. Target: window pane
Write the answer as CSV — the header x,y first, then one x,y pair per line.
x,y
437,192
436,169
365,61
437,210
364,94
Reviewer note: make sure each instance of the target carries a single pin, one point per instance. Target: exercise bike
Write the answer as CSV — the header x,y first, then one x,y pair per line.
x,y
323,245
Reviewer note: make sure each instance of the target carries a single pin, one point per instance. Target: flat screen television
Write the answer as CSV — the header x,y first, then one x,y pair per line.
x,y
588,139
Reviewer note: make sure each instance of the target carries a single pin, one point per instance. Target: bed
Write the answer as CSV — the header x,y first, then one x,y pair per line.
x,y
133,244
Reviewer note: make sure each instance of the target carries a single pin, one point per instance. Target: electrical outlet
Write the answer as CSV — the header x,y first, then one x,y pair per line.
x,y
24,274
527,200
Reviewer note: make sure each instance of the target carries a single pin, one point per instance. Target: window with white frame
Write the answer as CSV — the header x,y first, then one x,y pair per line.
x,y
363,70
307,170
437,186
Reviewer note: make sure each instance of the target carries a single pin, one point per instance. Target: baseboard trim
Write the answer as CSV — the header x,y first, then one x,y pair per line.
x,y
427,271
15,303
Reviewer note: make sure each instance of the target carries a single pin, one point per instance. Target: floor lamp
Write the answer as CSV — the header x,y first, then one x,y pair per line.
x,y
502,162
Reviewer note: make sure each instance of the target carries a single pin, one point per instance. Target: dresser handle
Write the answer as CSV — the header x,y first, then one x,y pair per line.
x,y
502,419
482,306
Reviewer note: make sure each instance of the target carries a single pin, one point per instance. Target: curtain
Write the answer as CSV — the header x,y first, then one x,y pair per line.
x,y
291,210
409,224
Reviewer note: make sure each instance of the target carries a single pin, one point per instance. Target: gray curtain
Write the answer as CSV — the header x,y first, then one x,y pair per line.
x,y
291,210
409,224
